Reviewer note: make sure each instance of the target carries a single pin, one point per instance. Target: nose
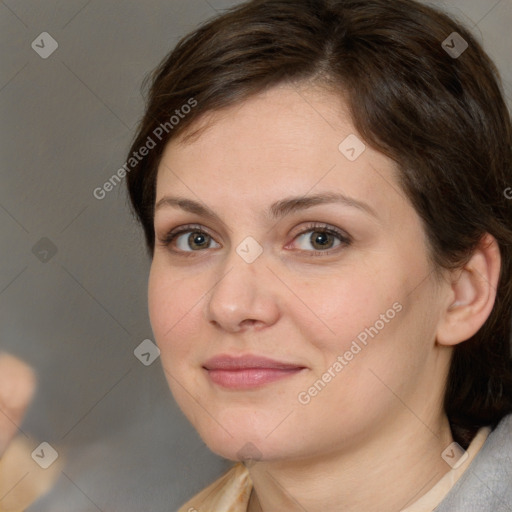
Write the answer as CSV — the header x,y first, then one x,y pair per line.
x,y
245,296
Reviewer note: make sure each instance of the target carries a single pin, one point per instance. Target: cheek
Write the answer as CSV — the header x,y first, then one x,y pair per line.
x,y
341,306
172,304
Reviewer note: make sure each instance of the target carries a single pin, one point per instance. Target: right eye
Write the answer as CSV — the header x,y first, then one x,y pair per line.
x,y
196,240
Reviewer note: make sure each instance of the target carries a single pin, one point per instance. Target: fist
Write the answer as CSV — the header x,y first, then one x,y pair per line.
x,y
22,481
17,386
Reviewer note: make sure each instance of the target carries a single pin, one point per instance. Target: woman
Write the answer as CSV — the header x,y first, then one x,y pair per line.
x,y
321,186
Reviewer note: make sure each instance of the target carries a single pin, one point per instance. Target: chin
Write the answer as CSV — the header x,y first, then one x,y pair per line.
x,y
252,443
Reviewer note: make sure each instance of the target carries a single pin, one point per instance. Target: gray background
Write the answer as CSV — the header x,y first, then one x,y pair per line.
x,y
76,318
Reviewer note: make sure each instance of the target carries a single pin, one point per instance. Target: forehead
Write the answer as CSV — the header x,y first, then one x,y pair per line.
x,y
283,142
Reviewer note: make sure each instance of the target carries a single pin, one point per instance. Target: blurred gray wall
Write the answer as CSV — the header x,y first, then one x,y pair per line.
x,y
73,268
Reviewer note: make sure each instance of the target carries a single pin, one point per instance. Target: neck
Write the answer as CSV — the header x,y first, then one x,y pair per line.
x,y
384,475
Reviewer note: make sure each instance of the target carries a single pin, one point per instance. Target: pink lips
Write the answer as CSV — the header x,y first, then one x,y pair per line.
x,y
247,372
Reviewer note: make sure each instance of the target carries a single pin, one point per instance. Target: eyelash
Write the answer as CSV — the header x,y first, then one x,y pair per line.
x,y
343,237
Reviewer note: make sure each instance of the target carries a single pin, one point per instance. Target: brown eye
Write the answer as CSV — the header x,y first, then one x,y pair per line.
x,y
195,241
321,239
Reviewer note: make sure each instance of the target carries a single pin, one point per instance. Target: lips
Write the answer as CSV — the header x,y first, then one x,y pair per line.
x,y
225,362
245,372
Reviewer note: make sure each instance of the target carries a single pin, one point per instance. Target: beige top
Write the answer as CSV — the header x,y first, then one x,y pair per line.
x,y
231,492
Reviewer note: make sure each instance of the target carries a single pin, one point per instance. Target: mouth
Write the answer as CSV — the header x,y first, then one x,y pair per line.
x,y
248,372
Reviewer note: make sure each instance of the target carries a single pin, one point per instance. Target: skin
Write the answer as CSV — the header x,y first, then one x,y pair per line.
x,y
17,387
21,481
372,439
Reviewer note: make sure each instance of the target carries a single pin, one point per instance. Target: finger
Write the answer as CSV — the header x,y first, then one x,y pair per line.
x,y
17,386
22,481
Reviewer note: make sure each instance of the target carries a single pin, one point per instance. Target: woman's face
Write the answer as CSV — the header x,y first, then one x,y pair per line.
x,y
337,292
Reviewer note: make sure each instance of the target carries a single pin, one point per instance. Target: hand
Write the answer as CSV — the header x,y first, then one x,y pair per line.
x,y
17,386
22,481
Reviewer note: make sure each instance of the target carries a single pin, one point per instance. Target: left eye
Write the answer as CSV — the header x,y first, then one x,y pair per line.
x,y
321,239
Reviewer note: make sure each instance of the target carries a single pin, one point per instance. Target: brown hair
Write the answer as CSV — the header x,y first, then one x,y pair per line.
x,y
440,116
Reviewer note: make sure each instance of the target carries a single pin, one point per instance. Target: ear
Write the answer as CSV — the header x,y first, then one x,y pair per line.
x,y
470,296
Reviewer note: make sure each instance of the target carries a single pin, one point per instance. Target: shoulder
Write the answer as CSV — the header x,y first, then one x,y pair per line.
x,y
229,493
487,483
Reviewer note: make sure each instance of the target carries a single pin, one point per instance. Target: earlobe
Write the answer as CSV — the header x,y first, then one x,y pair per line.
x,y
471,295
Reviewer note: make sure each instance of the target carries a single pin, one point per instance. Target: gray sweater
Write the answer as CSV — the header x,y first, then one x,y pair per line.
x,y
486,485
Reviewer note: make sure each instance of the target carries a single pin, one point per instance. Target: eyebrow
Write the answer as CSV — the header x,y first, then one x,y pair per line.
x,y
276,211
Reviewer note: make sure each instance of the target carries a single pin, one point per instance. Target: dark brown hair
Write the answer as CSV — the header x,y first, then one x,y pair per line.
x,y
440,116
